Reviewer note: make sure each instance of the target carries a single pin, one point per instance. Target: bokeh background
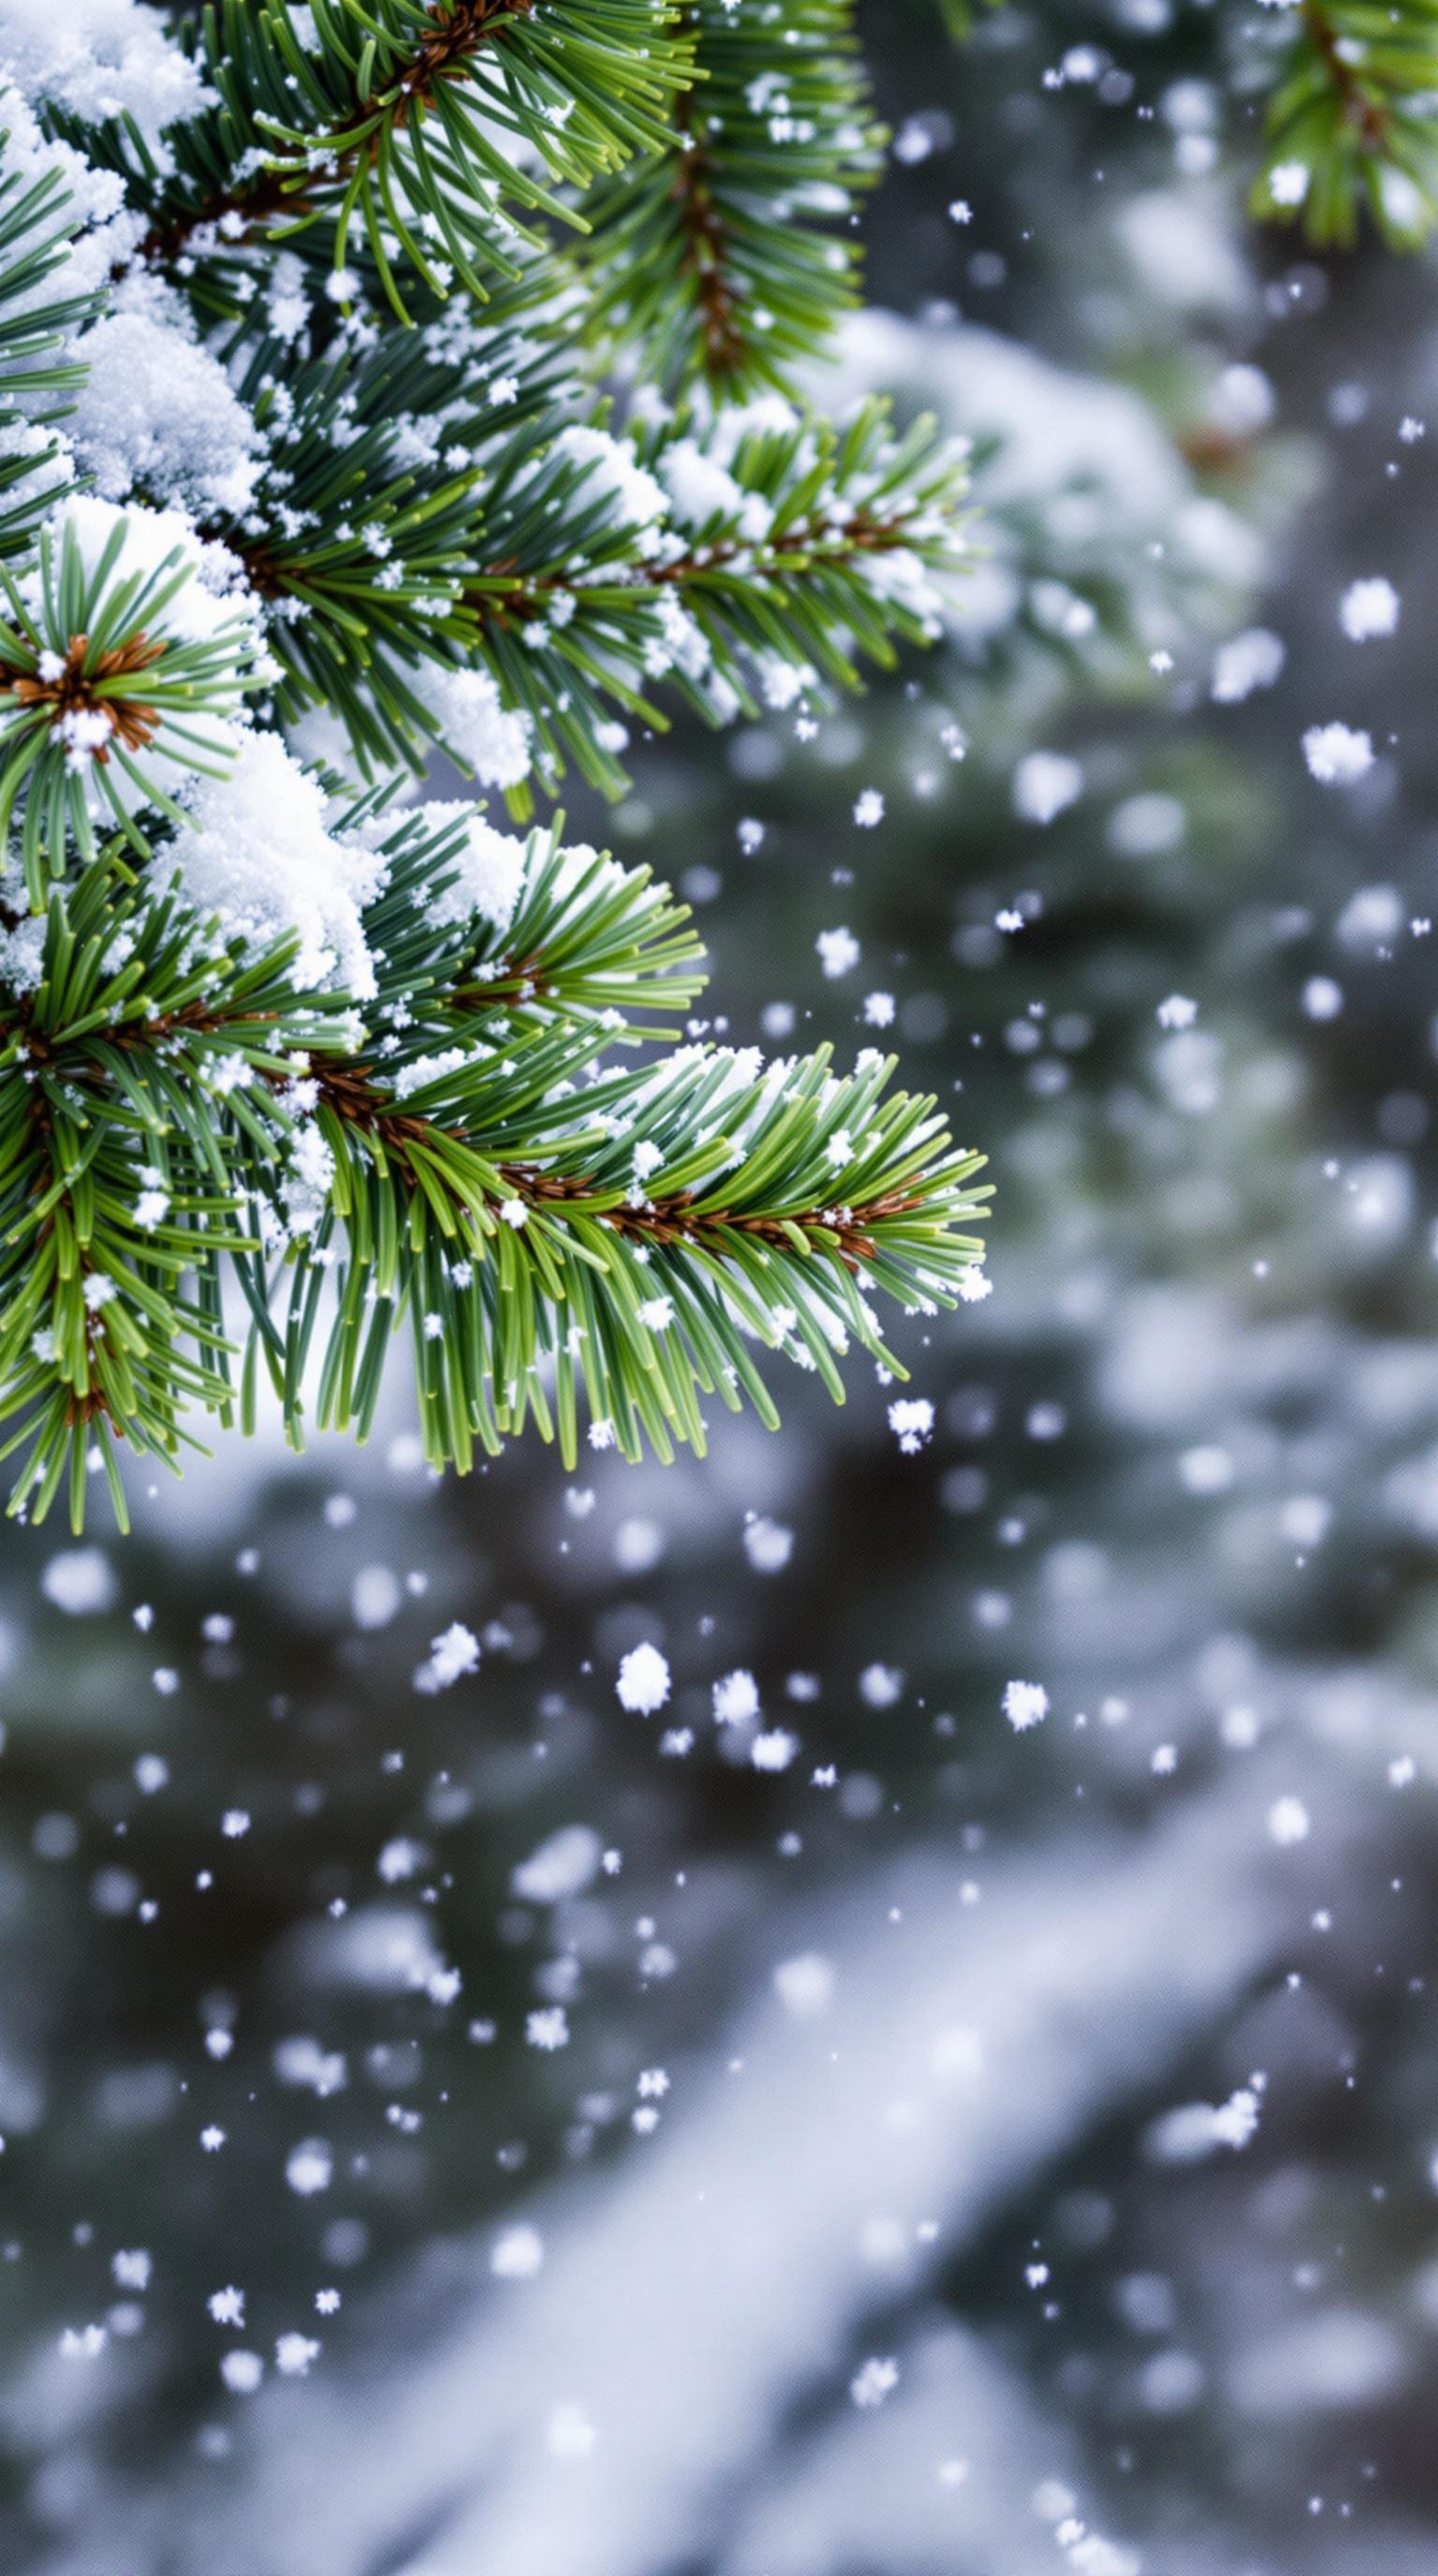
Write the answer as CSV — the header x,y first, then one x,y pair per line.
x,y
962,2152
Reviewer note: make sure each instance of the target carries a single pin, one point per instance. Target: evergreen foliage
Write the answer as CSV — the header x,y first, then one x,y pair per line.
x,y
1350,124
386,382
1349,90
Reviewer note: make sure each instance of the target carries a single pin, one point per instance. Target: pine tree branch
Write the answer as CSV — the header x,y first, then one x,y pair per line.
x,y
41,379
416,126
1351,125
169,1109
392,1084
726,259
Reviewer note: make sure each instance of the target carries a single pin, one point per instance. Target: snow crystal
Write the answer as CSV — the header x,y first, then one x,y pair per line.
x,y
99,59
451,1655
547,2029
256,852
1369,608
158,418
1336,754
1371,918
912,1419
571,2434
1044,784
294,2354
1178,1012
564,1865
773,1751
1288,1821
483,735
1323,998
375,1596
81,1581
1288,182
874,2382
1241,401
736,1699
302,2061
1191,2133
517,2253
839,952
643,1683
1206,1469
242,2372
400,1858
1252,660
869,809
1025,1704
309,2167
880,1685
805,1986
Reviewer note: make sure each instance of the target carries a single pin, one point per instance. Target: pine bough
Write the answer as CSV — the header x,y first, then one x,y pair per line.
x,y
383,381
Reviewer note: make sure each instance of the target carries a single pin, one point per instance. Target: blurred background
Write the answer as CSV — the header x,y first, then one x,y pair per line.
x,y
483,2131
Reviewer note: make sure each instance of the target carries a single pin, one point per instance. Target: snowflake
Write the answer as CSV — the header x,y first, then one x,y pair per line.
x,y
1025,1704
643,1683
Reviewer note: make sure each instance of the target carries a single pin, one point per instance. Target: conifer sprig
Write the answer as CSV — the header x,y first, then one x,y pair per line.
x,y
726,258
39,377
410,130
287,1066
802,554
544,1227
1351,124
107,694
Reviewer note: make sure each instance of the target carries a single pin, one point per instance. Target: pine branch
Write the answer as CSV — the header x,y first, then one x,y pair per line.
x,y
113,1184
274,1048
780,569
525,1279
36,322
1351,122
462,1164
576,570
723,260
119,675
410,128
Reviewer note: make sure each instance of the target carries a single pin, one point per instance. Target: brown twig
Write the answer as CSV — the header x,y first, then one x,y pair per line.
x,y
798,549
351,1093
76,690
459,32
1369,119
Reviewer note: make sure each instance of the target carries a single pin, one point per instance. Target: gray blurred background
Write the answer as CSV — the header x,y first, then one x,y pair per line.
x,y
489,2133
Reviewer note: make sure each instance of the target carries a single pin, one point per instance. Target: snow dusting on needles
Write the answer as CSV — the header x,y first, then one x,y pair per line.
x,y
98,59
257,853
157,414
491,740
